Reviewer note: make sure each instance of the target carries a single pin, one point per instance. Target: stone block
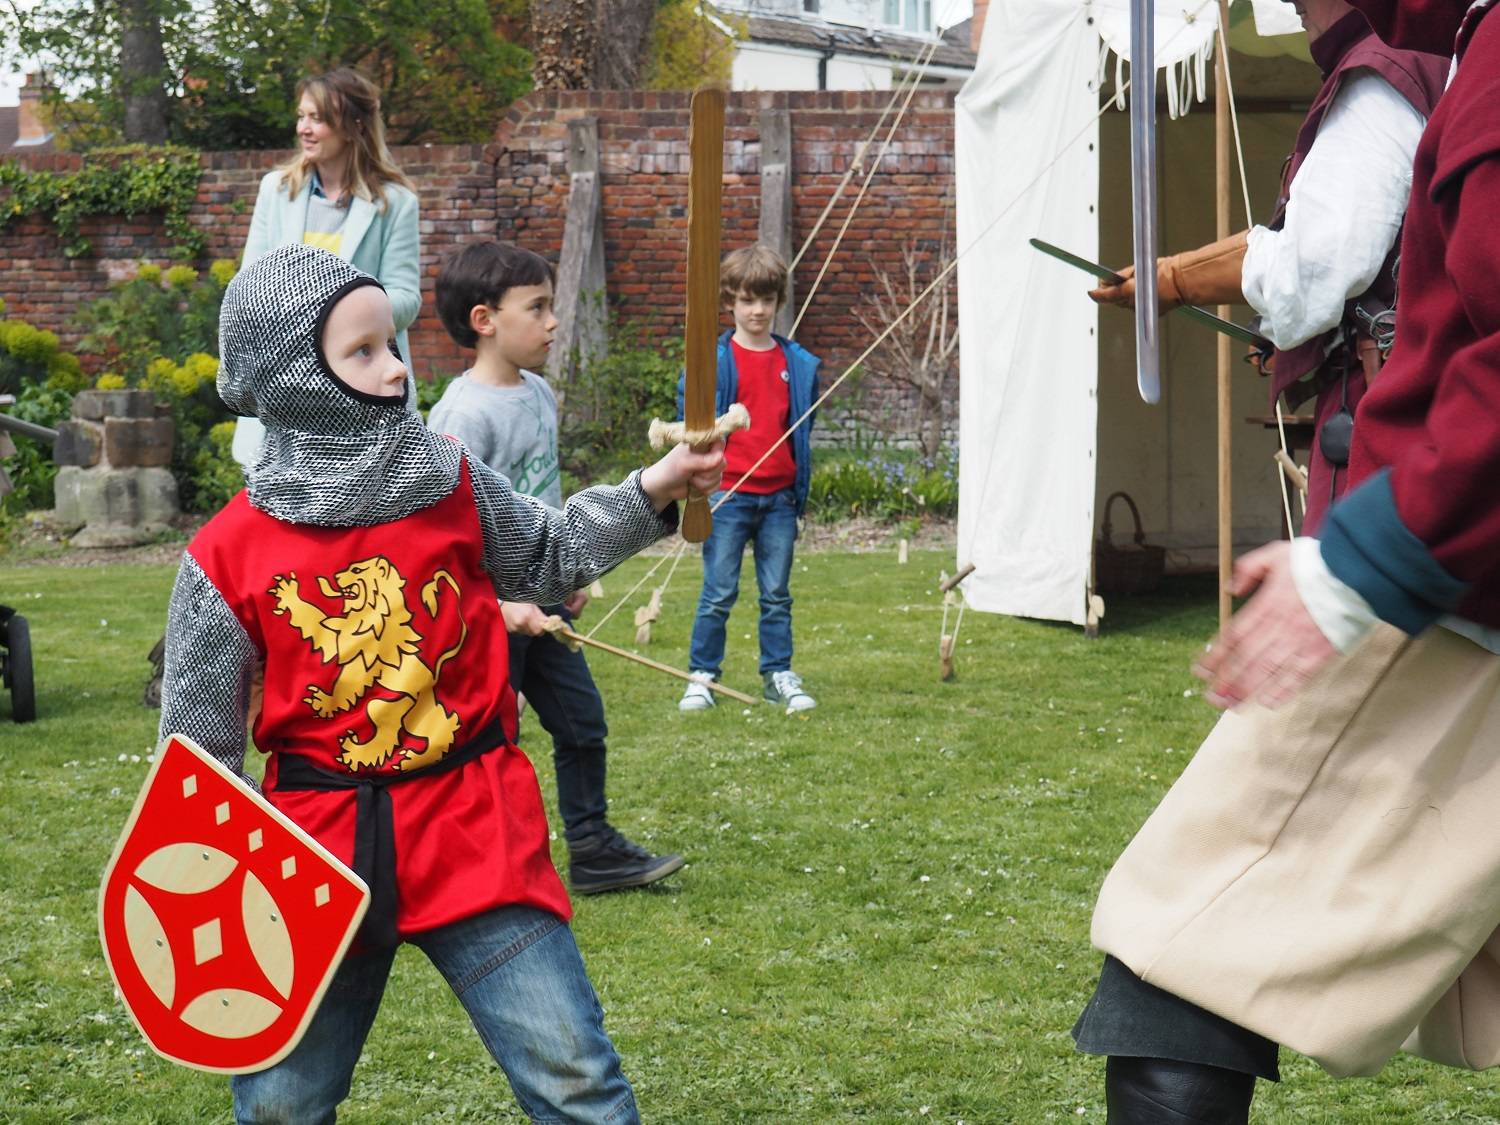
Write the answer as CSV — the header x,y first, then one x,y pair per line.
x,y
67,491
157,491
102,497
95,406
78,443
138,442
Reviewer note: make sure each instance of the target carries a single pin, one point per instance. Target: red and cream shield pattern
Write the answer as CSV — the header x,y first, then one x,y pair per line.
x,y
222,922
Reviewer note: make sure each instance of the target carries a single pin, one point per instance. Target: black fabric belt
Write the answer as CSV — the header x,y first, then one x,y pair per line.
x,y
374,821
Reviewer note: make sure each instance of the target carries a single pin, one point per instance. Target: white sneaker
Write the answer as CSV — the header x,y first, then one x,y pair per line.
x,y
786,687
697,697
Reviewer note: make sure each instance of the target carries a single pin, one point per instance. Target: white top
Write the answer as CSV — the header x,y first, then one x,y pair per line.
x,y
1342,613
1344,213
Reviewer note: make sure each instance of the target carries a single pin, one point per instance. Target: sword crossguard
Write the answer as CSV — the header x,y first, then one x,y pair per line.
x,y
663,434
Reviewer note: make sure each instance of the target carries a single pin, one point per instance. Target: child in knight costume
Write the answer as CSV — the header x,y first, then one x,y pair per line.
x,y
360,568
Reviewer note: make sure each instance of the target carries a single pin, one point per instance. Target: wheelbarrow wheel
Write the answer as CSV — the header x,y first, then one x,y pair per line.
x,y
18,669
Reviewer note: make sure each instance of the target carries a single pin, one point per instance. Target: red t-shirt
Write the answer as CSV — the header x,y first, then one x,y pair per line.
x,y
765,390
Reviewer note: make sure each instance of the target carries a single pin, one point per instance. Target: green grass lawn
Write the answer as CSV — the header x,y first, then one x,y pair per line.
x,y
885,912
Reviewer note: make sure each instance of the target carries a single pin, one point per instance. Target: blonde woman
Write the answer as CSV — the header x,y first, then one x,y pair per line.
x,y
341,192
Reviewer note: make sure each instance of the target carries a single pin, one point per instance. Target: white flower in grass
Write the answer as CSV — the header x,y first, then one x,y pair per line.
x,y
924,878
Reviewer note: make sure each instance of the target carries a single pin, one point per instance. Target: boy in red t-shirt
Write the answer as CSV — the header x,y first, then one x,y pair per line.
x,y
777,381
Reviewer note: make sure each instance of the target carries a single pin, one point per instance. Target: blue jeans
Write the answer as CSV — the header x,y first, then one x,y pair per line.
x,y
561,690
770,522
517,972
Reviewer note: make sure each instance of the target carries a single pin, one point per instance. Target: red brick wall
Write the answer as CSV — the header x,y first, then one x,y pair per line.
x,y
516,188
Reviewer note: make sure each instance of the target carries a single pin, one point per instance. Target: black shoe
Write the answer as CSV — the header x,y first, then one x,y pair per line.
x,y
1145,1091
608,861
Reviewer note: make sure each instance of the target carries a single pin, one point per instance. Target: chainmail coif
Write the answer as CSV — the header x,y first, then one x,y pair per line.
x,y
329,458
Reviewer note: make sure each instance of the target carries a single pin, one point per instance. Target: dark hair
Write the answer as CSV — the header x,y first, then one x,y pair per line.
x,y
480,274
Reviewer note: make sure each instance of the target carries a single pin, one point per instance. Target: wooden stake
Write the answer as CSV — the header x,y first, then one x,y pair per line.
x,y
901,553
1226,359
644,616
945,656
1293,472
949,583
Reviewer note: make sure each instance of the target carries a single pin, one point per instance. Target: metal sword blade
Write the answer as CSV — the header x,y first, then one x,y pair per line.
x,y
1143,194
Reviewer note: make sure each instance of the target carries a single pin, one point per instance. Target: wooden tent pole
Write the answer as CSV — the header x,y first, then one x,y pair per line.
x,y
1226,359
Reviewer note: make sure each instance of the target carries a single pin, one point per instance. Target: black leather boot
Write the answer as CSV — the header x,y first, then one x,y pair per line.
x,y
1165,1092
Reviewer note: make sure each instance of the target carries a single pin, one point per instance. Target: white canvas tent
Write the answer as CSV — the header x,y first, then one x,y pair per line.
x,y
1049,422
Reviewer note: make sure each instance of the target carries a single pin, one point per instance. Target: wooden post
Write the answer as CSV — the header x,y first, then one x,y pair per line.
x,y
776,198
1226,359
580,306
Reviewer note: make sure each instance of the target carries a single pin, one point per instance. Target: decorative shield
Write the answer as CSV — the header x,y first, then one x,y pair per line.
x,y
222,921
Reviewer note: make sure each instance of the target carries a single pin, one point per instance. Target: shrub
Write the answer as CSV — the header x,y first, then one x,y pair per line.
x,y
32,470
169,313
609,402
42,377
216,475
159,331
32,356
206,474
885,486
430,390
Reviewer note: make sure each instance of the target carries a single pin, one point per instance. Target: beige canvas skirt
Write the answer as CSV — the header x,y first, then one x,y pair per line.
x,y
1328,874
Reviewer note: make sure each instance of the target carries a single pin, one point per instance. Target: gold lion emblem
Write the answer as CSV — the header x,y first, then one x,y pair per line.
x,y
373,642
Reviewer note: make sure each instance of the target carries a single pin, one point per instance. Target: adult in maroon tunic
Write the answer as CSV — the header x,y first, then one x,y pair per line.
x,y
1321,274
1321,876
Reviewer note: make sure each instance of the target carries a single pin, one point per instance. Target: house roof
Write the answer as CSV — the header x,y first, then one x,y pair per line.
x,y
10,129
815,34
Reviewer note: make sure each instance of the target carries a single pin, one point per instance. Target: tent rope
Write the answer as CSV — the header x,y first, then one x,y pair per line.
x,y
924,58
1239,149
859,155
630,593
941,277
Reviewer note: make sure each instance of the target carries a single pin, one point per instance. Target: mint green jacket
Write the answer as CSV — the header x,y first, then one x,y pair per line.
x,y
385,244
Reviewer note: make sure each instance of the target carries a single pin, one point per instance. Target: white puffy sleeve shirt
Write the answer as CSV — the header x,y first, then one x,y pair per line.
x,y
1344,213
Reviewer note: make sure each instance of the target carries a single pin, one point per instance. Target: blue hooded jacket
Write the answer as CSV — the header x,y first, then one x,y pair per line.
x,y
802,389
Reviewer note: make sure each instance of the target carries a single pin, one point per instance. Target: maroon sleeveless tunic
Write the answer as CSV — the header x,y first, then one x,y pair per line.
x,y
1349,45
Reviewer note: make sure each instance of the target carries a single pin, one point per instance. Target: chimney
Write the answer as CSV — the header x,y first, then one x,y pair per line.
x,y
976,24
30,129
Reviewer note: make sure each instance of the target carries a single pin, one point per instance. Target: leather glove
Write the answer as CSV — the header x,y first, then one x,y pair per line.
x,y
1209,275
